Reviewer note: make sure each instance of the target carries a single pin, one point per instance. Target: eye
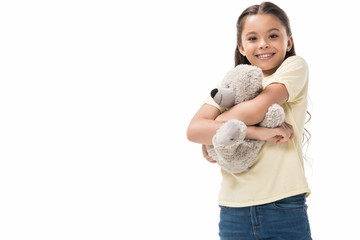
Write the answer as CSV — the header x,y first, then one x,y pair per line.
x,y
274,36
252,38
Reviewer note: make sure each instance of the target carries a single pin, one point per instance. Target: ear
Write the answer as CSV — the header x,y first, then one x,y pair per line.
x,y
241,50
290,43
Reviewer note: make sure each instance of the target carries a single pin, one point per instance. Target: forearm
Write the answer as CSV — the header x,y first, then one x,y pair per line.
x,y
254,132
280,134
247,112
203,126
202,131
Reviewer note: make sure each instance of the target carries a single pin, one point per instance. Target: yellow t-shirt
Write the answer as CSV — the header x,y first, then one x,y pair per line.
x,y
279,169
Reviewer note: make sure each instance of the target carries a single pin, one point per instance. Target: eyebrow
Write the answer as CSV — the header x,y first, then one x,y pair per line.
x,y
272,29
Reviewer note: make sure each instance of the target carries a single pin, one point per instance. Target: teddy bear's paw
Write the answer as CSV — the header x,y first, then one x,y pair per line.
x,y
242,159
211,152
274,117
232,168
235,165
230,133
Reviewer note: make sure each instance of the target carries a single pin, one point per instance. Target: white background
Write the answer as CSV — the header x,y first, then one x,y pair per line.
x,y
96,96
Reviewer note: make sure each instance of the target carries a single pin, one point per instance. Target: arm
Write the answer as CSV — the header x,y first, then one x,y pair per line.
x,y
280,135
253,111
203,127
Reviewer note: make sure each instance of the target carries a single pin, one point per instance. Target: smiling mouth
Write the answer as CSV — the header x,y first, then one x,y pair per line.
x,y
265,56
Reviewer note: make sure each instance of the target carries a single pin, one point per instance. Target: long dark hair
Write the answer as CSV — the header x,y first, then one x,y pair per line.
x,y
263,8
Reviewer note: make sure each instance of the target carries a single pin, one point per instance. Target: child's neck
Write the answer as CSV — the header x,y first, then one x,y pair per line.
x,y
269,72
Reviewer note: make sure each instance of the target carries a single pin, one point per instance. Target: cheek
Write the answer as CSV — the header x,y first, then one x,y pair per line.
x,y
249,48
283,44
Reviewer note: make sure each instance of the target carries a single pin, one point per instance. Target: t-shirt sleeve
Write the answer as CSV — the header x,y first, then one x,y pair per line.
x,y
294,74
211,102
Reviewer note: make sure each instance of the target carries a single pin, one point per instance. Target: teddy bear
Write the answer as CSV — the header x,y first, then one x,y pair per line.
x,y
231,150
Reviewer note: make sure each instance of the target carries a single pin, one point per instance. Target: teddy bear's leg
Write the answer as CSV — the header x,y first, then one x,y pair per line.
x,y
243,157
229,136
274,117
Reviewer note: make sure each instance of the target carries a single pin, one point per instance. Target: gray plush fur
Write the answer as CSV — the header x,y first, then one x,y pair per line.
x,y
230,149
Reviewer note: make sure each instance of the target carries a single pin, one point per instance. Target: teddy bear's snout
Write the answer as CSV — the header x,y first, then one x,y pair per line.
x,y
223,96
214,92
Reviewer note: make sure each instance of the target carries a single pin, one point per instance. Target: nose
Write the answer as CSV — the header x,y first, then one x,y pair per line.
x,y
214,92
264,44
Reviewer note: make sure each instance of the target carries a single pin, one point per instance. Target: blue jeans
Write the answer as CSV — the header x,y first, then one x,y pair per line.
x,y
285,219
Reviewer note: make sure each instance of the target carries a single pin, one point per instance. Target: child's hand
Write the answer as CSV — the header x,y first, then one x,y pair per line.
x,y
288,133
280,134
206,155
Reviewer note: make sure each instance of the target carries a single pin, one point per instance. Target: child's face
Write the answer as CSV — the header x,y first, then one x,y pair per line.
x,y
264,42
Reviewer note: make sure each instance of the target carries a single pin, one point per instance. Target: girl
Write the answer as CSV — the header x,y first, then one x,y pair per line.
x,y
268,201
